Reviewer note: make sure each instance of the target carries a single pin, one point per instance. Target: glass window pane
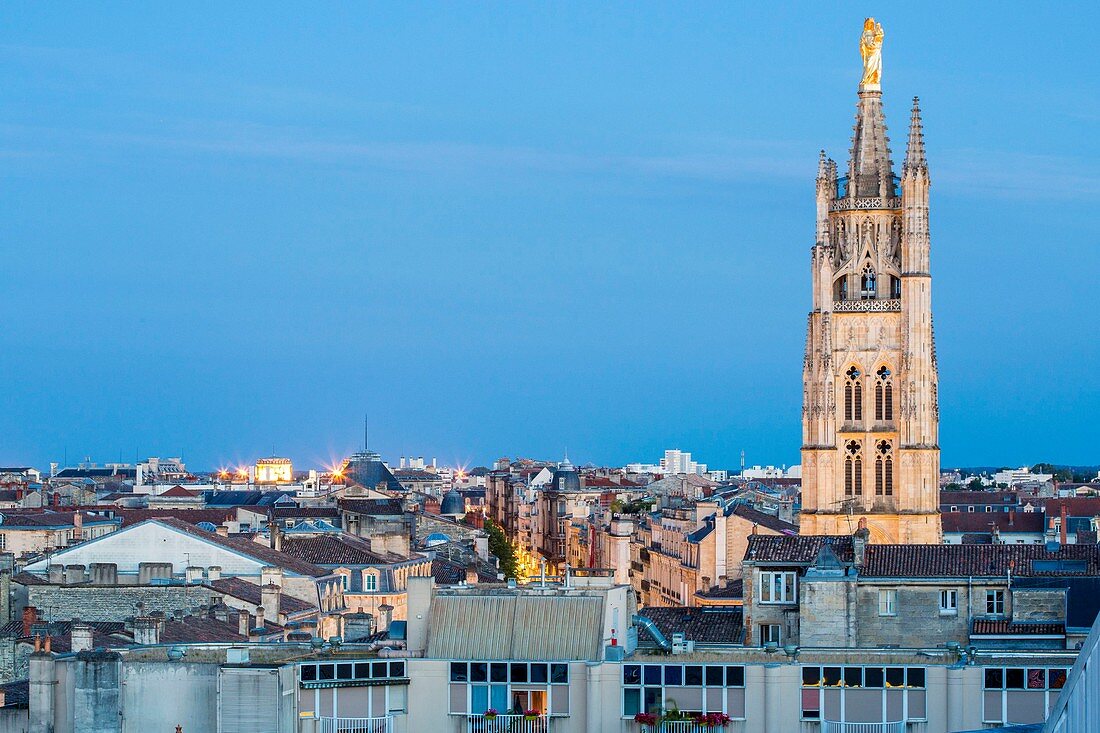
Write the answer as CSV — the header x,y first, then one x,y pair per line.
x,y
811,676
735,676
479,672
915,677
714,676
693,675
632,674
397,669
345,671
1014,678
309,672
326,671
653,701
539,673
559,674
853,676
674,674
632,701
498,672
994,678
1036,679
362,670
458,672
498,697
895,677
831,676
379,670
479,699
873,677
519,672
788,586
653,674
1057,679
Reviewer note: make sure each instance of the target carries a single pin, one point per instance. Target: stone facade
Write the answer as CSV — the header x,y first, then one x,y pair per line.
x,y
870,412
115,603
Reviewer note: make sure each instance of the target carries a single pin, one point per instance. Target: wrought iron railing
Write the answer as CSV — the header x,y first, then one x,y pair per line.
x,y
381,724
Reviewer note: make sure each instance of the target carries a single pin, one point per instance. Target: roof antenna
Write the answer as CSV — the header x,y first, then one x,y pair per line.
x,y
366,430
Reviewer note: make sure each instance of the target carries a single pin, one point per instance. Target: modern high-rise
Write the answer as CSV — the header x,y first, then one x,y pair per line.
x,y
870,416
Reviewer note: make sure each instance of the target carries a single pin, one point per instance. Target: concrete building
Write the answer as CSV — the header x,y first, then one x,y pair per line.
x,y
274,470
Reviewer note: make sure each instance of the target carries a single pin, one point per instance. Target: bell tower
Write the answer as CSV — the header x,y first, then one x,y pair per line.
x,y
870,416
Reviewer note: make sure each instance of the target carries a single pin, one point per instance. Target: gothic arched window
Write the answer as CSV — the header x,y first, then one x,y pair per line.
x,y
853,470
884,469
895,287
853,396
868,285
884,395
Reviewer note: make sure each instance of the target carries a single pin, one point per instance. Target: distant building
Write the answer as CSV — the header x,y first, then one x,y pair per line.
x,y
274,470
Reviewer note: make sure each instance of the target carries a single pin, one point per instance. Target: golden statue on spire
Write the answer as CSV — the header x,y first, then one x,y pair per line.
x,y
870,48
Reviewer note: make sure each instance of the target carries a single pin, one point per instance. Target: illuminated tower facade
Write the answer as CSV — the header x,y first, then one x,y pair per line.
x,y
870,416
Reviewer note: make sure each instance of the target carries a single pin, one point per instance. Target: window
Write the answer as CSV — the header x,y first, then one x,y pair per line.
x,y
949,601
1020,694
859,694
995,602
691,688
888,602
477,686
853,396
332,674
884,469
989,508
770,633
970,508
867,284
884,395
853,469
344,582
370,582
778,587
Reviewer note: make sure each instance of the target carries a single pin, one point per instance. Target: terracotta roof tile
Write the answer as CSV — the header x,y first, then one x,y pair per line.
x,y
701,625
796,549
956,561
1000,627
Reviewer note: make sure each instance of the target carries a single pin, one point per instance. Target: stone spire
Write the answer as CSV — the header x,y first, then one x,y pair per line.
x,y
914,152
870,172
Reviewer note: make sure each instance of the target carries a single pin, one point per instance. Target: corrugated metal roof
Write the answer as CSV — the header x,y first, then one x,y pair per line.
x,y
516,626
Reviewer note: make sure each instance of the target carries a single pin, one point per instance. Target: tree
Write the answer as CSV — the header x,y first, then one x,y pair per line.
x,y
526,566
975,484
501,548
953,486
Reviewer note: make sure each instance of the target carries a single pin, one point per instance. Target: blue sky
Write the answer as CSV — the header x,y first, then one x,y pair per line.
x,y
508,229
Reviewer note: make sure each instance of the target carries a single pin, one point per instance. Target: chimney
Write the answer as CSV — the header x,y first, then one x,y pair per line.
x,y
30,616
269,597
80,636
221,530
471,574
1012,518
260,617
78,524
387,615
146,630
214,572
220,612
1063,531
271,575
56,574
859,541
193,574
275,533
243,624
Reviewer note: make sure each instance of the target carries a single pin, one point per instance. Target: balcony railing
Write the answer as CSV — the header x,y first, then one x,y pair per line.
x,y
382,724
507,724
828,726
864,306
680,726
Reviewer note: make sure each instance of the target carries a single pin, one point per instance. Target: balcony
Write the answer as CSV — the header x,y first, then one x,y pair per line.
x,y
828,726
508,724
382,724
867,306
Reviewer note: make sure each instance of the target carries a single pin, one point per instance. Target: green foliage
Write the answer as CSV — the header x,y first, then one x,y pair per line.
x,y
501,548
975,484
953,486
638,506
